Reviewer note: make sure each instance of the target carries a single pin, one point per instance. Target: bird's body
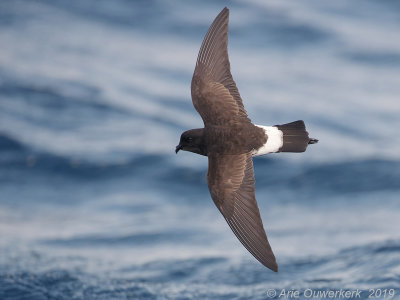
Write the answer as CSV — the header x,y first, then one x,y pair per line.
x,y
237,138
229,139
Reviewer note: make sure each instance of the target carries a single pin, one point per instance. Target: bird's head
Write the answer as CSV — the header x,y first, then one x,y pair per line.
x,y
193,141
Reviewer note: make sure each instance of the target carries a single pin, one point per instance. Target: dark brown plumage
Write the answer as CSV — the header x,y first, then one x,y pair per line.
x,y
229,139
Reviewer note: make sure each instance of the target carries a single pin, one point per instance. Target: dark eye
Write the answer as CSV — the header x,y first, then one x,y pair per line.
x,y
189,139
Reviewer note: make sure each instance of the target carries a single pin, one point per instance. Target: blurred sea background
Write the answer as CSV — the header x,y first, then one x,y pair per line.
x,y
94,202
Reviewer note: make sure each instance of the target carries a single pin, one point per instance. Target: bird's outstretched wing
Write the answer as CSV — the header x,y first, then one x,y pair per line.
x,y
214,92
231,182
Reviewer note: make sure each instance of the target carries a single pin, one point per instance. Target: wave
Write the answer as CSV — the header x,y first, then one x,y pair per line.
x,y
8,143
137,240
18,157
363,267
343,177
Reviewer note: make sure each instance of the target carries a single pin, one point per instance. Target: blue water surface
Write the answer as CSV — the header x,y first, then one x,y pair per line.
x,y
94,202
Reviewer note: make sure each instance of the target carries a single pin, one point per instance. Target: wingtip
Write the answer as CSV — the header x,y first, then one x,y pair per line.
x,y
275,269
225,10
272,266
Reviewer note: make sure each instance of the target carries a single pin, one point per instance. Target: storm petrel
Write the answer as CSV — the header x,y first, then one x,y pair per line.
x,y
230,140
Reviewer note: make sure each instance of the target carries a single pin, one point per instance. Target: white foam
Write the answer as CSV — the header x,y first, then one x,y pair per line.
x,y
274,141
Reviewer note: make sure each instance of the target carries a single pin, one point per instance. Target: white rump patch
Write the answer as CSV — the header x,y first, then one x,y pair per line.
x,y
274,141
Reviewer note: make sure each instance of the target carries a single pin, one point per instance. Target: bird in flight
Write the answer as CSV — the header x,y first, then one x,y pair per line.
x,y
229,139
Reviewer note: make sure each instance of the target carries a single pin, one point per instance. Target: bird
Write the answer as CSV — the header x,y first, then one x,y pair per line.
x,y
230,141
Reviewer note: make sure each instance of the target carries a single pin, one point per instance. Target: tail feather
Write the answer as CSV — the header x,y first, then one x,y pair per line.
x,y
295,137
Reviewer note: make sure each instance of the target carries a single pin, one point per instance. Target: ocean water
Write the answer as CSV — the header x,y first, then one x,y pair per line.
x,y
94,202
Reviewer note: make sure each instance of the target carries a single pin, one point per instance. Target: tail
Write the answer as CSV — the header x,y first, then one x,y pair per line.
x,y
295,137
